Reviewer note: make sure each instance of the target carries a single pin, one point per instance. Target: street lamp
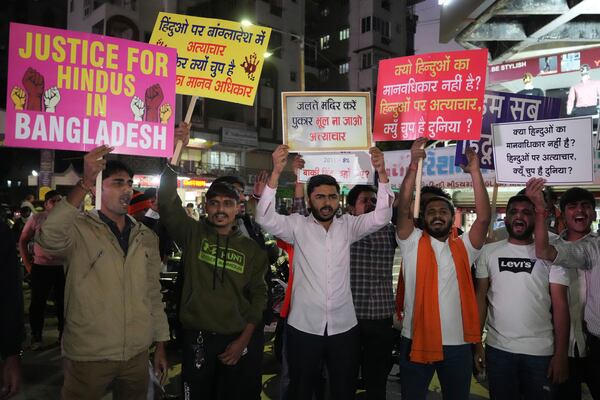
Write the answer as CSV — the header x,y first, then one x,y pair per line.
x,y
300,38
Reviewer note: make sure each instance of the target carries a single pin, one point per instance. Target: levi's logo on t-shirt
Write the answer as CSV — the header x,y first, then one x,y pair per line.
x,y
516,264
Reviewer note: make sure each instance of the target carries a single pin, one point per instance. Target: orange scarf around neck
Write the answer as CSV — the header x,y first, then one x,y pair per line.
x,y
427,330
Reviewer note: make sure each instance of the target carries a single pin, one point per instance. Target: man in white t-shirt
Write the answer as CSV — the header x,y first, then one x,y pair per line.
x,y
440,318
526,344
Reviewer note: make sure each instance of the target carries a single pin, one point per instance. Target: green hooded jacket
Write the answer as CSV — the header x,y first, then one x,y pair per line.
x,y
222,290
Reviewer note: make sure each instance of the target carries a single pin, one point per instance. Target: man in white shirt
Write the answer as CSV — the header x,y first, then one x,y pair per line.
x,y
582,254
440,319
578,208
322,324
526,343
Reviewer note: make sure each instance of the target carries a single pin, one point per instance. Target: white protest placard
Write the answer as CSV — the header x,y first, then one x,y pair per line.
x,y
558,150
326,121
438,169
349,168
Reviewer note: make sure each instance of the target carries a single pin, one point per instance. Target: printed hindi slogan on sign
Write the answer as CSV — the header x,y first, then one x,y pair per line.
x,y
438,169
349,168
559,150
438,95
75,91
217,59
326,121
505,107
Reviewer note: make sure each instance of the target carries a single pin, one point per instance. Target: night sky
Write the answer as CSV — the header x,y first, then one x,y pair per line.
x,y
428,27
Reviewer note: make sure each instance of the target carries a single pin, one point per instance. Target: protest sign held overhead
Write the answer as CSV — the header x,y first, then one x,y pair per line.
x,y
75,91
438,169
505,107
558,150
437,95
326,121
349,168
217,59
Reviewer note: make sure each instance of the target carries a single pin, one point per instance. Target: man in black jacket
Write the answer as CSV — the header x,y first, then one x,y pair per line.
x,y
11,312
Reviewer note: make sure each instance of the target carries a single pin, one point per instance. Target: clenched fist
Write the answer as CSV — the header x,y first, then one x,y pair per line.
x,y
33,82
18,97
137,107
51,99
154,96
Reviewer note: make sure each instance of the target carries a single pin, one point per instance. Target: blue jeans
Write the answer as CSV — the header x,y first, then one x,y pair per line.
x,y
512,375
454,373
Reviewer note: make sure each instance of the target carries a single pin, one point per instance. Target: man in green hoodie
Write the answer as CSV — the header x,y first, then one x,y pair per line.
x,y
223,292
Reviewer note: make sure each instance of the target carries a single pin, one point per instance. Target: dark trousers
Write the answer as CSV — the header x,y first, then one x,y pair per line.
x,y
454,373
376,342
518,376
213,380
252,371
571,389
307,353
592,366
43,279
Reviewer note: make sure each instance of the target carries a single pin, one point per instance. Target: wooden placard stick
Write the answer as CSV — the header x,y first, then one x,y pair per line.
x,y
179,145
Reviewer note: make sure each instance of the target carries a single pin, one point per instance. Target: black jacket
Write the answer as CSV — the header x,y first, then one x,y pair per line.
x,y
11,295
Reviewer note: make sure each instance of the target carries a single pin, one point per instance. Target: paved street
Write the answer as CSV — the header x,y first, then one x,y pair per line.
x,y
42,371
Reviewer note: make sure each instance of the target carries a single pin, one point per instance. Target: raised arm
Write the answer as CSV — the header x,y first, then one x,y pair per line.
x,y
405,224
483,211
55,235
172,214
582,255
298,204
543,248
266,215
373,221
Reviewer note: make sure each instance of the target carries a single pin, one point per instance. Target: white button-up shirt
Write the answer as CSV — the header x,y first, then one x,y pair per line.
x,y
321,296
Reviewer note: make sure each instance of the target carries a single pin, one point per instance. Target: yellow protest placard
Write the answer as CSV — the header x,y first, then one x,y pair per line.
x,y
216,59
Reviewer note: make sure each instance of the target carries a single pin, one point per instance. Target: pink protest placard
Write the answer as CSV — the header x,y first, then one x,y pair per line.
x,y
75,91
437,95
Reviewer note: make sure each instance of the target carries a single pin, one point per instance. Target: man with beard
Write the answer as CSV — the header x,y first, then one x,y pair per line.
x,y
322,325
578,249
440,319
525,302
371,262
251,376
113,305
223,290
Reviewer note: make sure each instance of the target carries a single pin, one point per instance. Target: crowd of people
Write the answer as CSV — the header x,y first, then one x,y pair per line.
x,y
523,311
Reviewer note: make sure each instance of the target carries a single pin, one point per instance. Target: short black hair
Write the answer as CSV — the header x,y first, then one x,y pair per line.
x,y
113,167
436,191
231,179
356,191
222,189
150,193
319,180
50,194
519,198
574,195
438,198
